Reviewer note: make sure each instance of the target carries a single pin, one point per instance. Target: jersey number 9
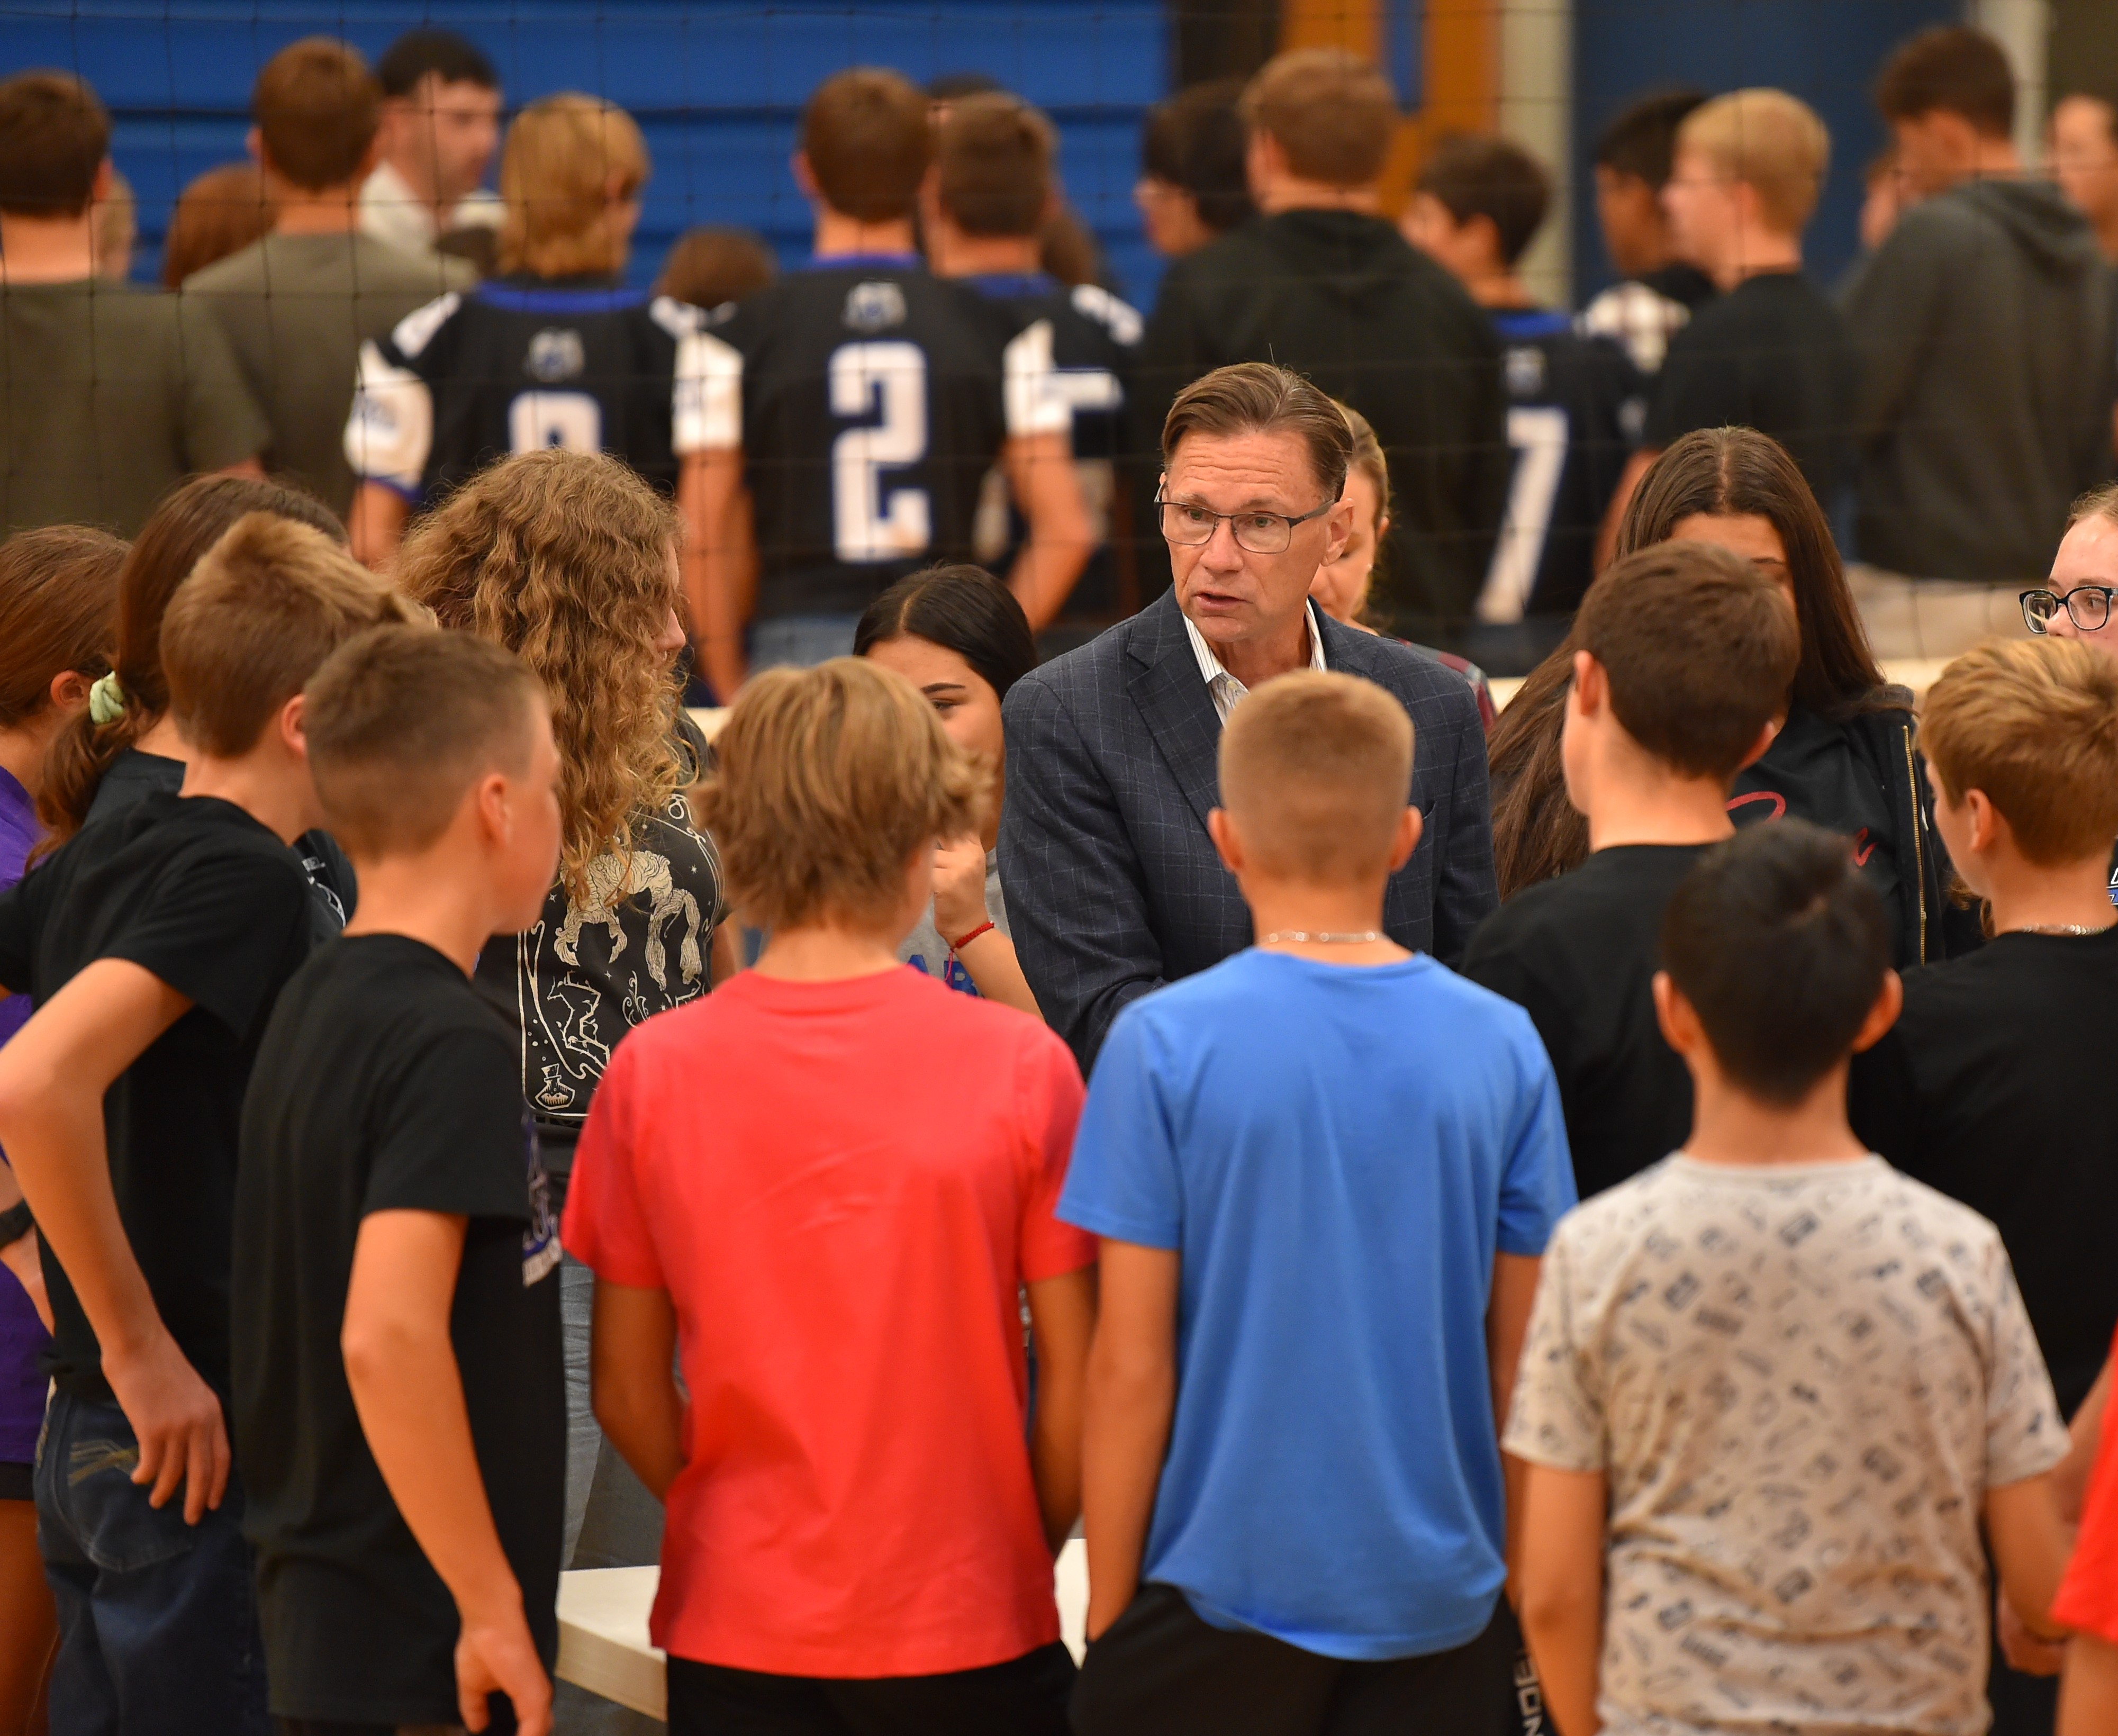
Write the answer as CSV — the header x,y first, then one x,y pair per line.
x,y
869,522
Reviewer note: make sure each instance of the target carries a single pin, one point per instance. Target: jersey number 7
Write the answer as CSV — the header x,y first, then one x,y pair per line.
x,y
870,521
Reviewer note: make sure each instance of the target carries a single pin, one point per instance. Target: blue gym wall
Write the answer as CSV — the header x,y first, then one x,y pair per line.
x,y
717,86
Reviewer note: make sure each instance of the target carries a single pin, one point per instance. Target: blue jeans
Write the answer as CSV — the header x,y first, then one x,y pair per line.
x,y
158,1619
800,642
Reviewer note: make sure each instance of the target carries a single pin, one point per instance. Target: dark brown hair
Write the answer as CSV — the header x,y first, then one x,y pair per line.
x,y
1954,68
191,519
1258,398
317,106
994,153
1718,472
59,610
54,135
1332,111
708,266
961,608
1640,140
1195,141
221,212
867,139
1490,178
1698,647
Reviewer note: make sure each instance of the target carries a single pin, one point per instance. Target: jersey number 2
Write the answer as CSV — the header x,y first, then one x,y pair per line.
x,y
870,522
571,420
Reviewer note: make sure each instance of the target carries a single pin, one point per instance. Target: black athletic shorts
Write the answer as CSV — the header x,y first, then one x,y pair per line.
x,y
1159,1670
1024,1697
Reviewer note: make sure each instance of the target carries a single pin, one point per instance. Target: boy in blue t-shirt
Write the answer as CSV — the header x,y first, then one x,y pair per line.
x,y
1324,1172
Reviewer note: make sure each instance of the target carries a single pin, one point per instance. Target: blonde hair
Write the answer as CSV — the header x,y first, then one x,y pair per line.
x,y
828,780
2034,724
263,608
565,558
555,175
1317,770
1771,142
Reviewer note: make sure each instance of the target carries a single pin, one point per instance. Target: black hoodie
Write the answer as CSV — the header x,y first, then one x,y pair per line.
x,y
1344,298
1983,328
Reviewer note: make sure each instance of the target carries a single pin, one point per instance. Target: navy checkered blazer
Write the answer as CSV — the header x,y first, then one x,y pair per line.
x,y
1112,885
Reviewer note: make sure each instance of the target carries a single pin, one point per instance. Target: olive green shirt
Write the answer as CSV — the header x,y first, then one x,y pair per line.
x,y
110,394
297,308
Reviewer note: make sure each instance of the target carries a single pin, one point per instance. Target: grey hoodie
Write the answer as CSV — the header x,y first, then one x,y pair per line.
x,y
1984,330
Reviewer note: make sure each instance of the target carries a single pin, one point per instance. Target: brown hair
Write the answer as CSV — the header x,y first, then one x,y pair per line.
x,y
1258,398
317,106
1333,112
567,558
260,612
828,780
54,135
401,720
1954,68
2034,724
555,176
58,607
867,140
1490,178
221,212
191,519
994,153
1698,647
708,266
1316,769
1194,142
1718,472
1770,142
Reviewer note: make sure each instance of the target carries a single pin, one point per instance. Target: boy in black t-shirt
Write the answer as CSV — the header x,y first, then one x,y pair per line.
x,y
1686,656
399,1400
154,943
1770,352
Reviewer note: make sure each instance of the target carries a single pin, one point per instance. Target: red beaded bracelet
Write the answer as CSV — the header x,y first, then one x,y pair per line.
x,y
957,946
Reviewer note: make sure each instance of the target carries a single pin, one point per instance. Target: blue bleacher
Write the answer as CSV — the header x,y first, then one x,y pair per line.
x,y
716,85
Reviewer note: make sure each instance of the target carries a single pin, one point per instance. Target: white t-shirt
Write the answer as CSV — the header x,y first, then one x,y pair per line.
x,y
390,211
1799,1382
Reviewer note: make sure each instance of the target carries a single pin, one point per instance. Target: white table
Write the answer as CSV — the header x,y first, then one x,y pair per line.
x,y
603,1646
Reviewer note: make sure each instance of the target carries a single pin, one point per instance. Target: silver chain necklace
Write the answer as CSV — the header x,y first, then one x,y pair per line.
x,y
2060,927
1321,940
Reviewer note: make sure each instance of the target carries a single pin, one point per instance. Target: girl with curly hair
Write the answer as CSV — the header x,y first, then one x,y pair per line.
x,y
570,560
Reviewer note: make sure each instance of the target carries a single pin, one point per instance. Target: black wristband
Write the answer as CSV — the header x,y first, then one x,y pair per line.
x,y
15,1223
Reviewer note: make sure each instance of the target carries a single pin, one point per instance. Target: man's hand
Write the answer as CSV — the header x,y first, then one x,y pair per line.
x,y
960,887
177,1419
495,1655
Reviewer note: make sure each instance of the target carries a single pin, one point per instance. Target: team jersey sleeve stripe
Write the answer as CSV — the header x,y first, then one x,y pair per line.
x,y
1034,405
391,432
708,395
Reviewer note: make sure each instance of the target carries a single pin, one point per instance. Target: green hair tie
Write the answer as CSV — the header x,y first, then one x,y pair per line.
x,y
106,700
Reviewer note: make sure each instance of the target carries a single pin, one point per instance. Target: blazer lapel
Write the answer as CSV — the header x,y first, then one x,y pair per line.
x,y
1166,687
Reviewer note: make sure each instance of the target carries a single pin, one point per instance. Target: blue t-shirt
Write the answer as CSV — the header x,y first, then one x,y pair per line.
x,y
1337,1153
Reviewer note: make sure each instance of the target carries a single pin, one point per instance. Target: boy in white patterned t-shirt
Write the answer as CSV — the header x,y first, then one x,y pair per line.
x,y
1771,1385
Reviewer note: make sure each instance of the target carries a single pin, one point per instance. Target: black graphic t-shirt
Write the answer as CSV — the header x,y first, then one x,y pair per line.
x,y
385,1084
585,973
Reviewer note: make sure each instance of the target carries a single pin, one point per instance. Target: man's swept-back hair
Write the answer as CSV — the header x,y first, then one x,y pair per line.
x,y
317,106
1477,176
828,779
1332,111
1781,946
2034,724
994,153
1953,68
1259,398
1317,770
869,141
556,169
401,720
54,135
1771,142
243,634
1698,646
568,558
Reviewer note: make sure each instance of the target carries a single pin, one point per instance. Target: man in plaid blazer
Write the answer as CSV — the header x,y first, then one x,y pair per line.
x,y
1113,884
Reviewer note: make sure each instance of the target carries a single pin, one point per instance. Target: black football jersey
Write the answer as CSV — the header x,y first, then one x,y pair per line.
x,y
869,400
517,363
1574,409
1095,343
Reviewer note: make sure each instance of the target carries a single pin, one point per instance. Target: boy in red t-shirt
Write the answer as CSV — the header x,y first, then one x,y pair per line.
x,y
821,1187
2087,1600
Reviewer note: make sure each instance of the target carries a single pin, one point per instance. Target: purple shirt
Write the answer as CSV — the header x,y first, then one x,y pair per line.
x,y
23,1335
